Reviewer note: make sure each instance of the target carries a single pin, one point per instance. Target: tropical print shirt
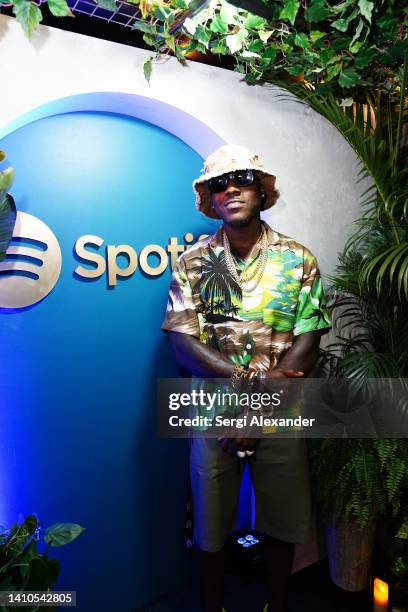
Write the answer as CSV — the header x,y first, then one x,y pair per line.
x,y
257,327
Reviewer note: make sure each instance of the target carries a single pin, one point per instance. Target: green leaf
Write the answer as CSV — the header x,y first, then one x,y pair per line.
x,y
228,13
6,180
366,9
161,13
29,554
62,533
343,24
294,70
218,25
256,46
249,54
235,41
318,11
333,71
109,5
340,8
349,78
341,43
326,55
301,40
28,15
265,35
253,22
364,58
59,8
353,47
147,68
142,26
290,10
203,36
31,524
386,22
315,35
220,48
150,40
270,55
171,43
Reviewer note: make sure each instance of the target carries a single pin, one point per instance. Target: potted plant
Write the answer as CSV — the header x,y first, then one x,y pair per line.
x,y
7,208
25,564
357,481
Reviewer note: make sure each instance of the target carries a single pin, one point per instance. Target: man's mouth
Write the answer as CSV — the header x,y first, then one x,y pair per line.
x,y
233,203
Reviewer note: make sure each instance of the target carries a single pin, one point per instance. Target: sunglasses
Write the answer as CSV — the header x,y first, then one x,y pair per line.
x,y
241,178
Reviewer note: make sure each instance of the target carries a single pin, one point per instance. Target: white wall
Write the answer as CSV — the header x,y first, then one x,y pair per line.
x,y
315,167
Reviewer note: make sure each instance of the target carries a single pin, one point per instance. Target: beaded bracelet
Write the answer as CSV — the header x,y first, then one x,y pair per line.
x,y
237,374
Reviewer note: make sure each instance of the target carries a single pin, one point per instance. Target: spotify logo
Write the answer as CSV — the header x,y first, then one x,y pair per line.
x,y
33,261
32,265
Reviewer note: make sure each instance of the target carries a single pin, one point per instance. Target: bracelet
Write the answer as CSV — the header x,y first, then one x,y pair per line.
x,y
238,372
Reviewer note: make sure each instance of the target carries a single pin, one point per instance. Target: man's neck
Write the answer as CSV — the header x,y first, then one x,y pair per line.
x,y
242,239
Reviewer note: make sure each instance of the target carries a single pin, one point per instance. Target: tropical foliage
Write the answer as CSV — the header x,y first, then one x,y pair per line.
x,y
23,566
360,478
7,208
371,283
368,478
333,45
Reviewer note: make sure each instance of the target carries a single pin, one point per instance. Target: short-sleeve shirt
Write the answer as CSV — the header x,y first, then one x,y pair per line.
x,y
255,327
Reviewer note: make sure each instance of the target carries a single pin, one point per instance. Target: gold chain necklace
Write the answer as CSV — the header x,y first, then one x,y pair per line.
x,y
244,281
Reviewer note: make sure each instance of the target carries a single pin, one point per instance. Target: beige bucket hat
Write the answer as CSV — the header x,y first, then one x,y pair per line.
x,y
227,159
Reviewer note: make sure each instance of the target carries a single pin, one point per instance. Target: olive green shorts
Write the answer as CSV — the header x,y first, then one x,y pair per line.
x,y
280,477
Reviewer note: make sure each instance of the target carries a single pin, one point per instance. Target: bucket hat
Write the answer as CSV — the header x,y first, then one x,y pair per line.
x,y
227,159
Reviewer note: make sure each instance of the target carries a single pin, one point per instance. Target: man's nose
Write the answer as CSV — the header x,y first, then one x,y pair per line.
x,y
231,186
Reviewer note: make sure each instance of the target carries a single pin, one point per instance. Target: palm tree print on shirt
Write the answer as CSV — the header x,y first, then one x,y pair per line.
x,y
218,288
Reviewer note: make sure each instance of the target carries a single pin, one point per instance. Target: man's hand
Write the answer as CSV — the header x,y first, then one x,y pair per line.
x,y
232,445
276,373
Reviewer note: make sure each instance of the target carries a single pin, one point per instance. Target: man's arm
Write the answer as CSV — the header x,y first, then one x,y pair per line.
x,y
198,358
202,360
302,355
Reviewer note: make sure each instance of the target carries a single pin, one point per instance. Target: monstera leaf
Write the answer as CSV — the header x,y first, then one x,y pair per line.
x,y
7,208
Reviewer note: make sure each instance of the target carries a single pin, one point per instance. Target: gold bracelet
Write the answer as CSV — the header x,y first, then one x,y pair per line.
x,y
238,372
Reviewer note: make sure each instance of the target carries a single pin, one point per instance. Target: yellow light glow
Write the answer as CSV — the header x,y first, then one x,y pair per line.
x,y
380,595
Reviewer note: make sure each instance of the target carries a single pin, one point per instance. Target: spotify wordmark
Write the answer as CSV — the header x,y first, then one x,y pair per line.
x,y
33,261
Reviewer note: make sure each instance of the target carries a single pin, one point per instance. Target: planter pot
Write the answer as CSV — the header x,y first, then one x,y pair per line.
x,y
350,550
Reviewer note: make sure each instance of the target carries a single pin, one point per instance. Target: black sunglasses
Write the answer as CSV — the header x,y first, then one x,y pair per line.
x,y
241,178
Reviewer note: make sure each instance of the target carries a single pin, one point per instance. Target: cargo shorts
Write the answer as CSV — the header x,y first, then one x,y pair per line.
x,y
280,477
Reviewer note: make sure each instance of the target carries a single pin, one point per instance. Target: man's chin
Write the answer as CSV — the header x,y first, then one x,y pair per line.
x,y
238,222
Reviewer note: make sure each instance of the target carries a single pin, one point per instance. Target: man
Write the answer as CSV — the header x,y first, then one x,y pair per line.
x,y
246,297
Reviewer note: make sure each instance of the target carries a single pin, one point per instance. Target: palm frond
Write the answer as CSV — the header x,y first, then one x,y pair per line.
x,y
388,267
